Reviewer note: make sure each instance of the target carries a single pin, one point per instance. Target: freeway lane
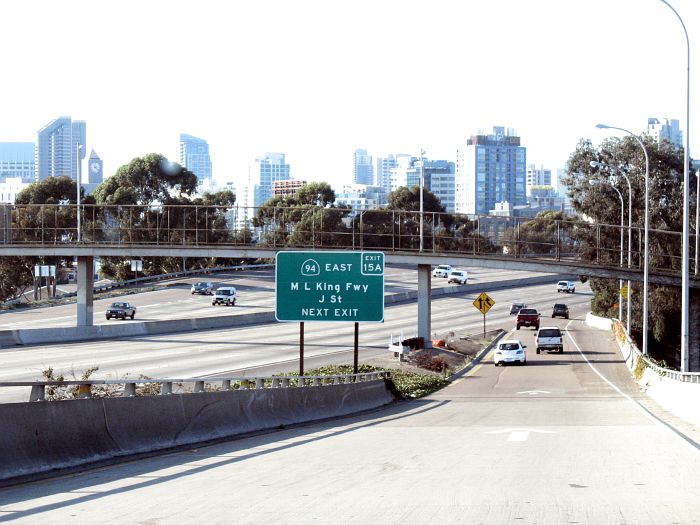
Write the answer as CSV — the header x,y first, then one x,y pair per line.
x,y
243,350
256,293
557,441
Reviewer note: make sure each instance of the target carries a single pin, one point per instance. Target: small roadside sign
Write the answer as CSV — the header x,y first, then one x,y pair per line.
x,y
483,303
625,291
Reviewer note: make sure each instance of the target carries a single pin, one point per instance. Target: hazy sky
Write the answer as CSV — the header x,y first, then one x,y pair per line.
x,y
319,79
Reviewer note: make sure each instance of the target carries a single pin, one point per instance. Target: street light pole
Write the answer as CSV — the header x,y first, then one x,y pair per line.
x,y
622,243
645,307
686,208
77,184
595,164
421,199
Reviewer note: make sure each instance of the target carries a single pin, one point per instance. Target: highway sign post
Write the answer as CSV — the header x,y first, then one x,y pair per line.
x,y
483,303
329,286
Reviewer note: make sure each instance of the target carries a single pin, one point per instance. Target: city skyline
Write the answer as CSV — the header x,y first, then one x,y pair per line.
x,y
439,76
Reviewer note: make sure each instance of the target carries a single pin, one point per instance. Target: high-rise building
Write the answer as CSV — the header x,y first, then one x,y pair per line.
x,y
286,188
194,155
267,169
490,169
363,169
537,178
439,178
10,187
57,152
17,161
383,174
95,173
665,129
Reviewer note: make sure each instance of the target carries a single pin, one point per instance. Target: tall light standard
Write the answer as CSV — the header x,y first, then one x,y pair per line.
x,y
622,239
686,207
77,184
595,164
421,199
645,308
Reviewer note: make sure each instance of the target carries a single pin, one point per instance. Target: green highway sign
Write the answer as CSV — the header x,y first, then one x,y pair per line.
x,y
329,286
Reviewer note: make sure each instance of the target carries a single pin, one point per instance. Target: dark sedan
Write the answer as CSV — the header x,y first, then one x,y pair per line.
x,y
120,311
560,310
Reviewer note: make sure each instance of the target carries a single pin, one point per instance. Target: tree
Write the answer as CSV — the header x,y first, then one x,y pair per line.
x,y
156,204
602,205
15,276
309,217
52,190
145,181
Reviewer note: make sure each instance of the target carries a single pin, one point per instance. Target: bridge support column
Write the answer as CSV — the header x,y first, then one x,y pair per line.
x,y
424,288
85,280
694,334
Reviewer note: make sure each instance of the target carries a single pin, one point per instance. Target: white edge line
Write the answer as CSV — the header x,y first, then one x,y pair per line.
x,y
634,403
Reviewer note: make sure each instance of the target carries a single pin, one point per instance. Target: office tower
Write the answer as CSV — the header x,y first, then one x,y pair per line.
x,y
406,173
95,173
490,169
287,188
57,148
363,170
361,197
194,155
384,166
439,178
265,171
537,178
17,161
665,129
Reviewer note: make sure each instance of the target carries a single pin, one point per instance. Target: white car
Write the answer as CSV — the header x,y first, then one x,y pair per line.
x,y
442,270
510,351
566,286
458,276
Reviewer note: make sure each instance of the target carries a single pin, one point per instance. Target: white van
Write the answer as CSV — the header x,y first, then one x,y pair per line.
x,y
225,295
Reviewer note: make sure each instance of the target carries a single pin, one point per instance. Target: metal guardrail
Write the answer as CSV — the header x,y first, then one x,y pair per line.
x,y
683,377
165,386
624,338
391,231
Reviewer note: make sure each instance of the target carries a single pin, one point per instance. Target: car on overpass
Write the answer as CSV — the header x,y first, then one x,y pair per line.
x,y
120,311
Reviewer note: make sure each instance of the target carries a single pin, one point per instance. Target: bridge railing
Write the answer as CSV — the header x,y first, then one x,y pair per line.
x,y
313,227
81,389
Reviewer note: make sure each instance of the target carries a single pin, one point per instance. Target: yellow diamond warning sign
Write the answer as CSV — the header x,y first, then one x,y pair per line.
x,y
483,303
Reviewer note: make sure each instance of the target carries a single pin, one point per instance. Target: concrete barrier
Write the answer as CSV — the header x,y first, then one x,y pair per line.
x,y
38,438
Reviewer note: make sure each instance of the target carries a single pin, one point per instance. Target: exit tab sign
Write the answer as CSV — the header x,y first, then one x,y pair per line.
x,y
330,286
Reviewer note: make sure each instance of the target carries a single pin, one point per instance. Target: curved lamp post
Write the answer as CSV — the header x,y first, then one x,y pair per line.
x,y
686,198
645,307
622,241
595,164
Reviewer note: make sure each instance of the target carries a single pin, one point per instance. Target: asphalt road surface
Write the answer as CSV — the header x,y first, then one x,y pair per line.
x,y
255,291
561,440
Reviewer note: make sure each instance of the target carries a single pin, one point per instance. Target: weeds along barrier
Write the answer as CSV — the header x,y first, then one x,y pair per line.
x,y
83,389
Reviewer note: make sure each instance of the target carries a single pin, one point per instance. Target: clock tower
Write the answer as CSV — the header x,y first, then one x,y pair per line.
x,y
95,174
